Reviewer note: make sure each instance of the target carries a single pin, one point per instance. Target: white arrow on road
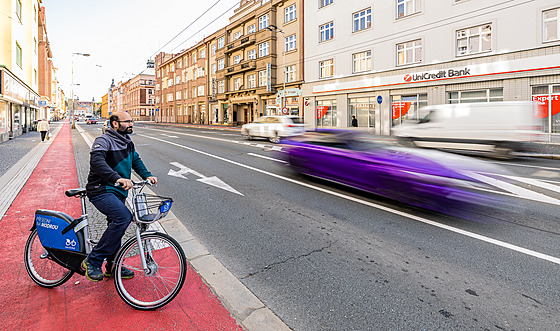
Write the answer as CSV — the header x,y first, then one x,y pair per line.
x,y
214,181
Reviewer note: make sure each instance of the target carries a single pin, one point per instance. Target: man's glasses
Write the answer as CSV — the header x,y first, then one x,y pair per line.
x,y
127,121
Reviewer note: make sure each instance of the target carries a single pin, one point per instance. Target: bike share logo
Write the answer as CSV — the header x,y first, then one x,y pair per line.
x,y
436,75
45,223
70,243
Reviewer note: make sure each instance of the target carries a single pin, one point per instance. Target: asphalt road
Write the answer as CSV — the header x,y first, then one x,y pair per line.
x,y
324,257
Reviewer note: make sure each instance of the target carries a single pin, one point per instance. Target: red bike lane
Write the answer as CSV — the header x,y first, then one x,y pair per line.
x,y
79,303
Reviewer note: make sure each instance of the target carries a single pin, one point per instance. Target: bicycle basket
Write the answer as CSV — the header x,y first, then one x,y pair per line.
x,y
150,208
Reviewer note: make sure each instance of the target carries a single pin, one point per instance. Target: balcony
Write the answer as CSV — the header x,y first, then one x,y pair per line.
x,y
241,67
239,43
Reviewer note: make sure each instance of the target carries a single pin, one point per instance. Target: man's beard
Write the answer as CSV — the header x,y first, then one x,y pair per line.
x,y
125,130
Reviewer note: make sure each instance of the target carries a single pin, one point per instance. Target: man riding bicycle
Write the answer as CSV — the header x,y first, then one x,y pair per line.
x,y
112,159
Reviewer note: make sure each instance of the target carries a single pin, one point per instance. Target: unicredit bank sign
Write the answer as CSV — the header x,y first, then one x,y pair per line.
x,y
433,75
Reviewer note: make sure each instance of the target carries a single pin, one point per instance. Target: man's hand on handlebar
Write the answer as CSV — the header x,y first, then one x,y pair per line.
x,y
152,180
125,183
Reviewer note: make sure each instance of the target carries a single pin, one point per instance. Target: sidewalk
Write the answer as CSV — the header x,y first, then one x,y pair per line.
x,y
79,303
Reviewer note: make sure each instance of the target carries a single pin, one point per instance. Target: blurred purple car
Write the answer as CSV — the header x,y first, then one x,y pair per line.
x,y
425,178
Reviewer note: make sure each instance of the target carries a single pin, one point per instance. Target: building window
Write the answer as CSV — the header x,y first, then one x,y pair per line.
x,y
35,76
200,72
326,68
405,107
237,59
19,55
263,22
547,98
290,43
290,13
170,82
212,49
409,52
194,58
221,64
486,95
326,32
193,92
220,42
237,35
237,84
361,61
263,78
252,54
178,95
252,81
220,86
362,20
323,3
202,53
213,68
474,40
263,49
201,90
551,24
290,73
170,97
18,9
407,7
252,28
177,79
326,112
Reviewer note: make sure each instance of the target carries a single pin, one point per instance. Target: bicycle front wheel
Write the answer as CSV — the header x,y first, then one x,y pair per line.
x,y
161,281
40,266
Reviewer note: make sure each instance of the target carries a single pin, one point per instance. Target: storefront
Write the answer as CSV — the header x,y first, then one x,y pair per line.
x,y
19,106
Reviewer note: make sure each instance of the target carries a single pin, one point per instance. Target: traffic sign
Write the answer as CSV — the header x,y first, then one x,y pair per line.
x,y
379,99
285,110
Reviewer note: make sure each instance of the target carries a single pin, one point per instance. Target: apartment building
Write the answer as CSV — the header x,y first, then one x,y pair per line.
x,y
19,66
251,67
382,60
135,96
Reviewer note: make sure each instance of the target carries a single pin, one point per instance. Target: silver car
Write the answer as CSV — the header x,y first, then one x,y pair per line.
x,y
273,128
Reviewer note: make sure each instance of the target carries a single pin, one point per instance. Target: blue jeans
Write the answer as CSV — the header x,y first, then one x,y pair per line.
x,y
118,219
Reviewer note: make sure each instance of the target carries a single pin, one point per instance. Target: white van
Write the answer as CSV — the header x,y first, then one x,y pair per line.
x,y
496,127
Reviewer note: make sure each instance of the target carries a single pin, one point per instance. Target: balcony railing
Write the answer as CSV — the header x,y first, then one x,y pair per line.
x,y
241,67
239,43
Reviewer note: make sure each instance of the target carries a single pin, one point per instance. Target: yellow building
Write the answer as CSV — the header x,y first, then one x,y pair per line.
x,y
19,66
105,106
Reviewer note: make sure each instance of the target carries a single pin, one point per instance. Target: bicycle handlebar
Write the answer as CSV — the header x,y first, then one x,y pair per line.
x,y
137,184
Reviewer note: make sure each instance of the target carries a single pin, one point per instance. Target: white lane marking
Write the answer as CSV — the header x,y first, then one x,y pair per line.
x,y
266,157
520,191
213,181
526,165
164,134
536,182
373,205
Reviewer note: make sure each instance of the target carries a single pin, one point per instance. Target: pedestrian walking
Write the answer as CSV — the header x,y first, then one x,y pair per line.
x,y
43,127
354,122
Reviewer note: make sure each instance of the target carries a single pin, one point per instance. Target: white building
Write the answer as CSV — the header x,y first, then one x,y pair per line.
x,y
380,60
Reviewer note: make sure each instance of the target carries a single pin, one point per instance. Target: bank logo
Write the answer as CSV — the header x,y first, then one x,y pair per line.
x,y
426,76
407,78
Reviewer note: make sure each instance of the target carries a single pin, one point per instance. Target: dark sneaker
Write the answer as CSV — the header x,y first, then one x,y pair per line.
x,y
125,272
92,273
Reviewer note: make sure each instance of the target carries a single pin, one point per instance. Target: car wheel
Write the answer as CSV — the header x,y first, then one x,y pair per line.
x,y
275,139
246,135
502,151
406,142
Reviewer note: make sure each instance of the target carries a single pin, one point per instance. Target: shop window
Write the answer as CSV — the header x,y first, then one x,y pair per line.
x,y
326,113
361,61
409,52
486,95
551,24
406,107
407,7
364,110
362,20
474,40
548,107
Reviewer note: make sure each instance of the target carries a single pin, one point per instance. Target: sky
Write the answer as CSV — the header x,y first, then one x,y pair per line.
x,y
121,35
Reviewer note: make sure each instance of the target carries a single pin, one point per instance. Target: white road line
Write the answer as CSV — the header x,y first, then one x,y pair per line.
x,y
525,165
536,182
266,157
373,205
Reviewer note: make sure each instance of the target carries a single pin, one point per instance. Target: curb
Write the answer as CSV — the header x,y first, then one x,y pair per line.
x,y
243,305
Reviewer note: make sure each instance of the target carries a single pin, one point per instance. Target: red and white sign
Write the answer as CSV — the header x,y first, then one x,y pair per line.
x,y
306,103
542,105
322,111
400,109
285,110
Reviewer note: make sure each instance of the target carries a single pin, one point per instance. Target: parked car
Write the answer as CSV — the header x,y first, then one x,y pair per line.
x,y
105,126
91,120
273,127
428,179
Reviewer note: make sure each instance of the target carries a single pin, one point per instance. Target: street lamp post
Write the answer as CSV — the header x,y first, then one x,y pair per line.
x,y
274,28
72,110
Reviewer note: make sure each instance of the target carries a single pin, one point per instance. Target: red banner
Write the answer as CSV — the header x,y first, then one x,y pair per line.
x,y
542,105
322,111
400,109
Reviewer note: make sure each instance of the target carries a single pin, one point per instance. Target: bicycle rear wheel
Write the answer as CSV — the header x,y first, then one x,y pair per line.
x,y
161,282
40,266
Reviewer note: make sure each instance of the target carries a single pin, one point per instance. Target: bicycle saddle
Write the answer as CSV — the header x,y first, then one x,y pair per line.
x,y
75,191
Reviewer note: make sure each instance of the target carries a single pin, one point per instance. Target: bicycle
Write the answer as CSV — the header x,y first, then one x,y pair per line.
x,y
58,244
